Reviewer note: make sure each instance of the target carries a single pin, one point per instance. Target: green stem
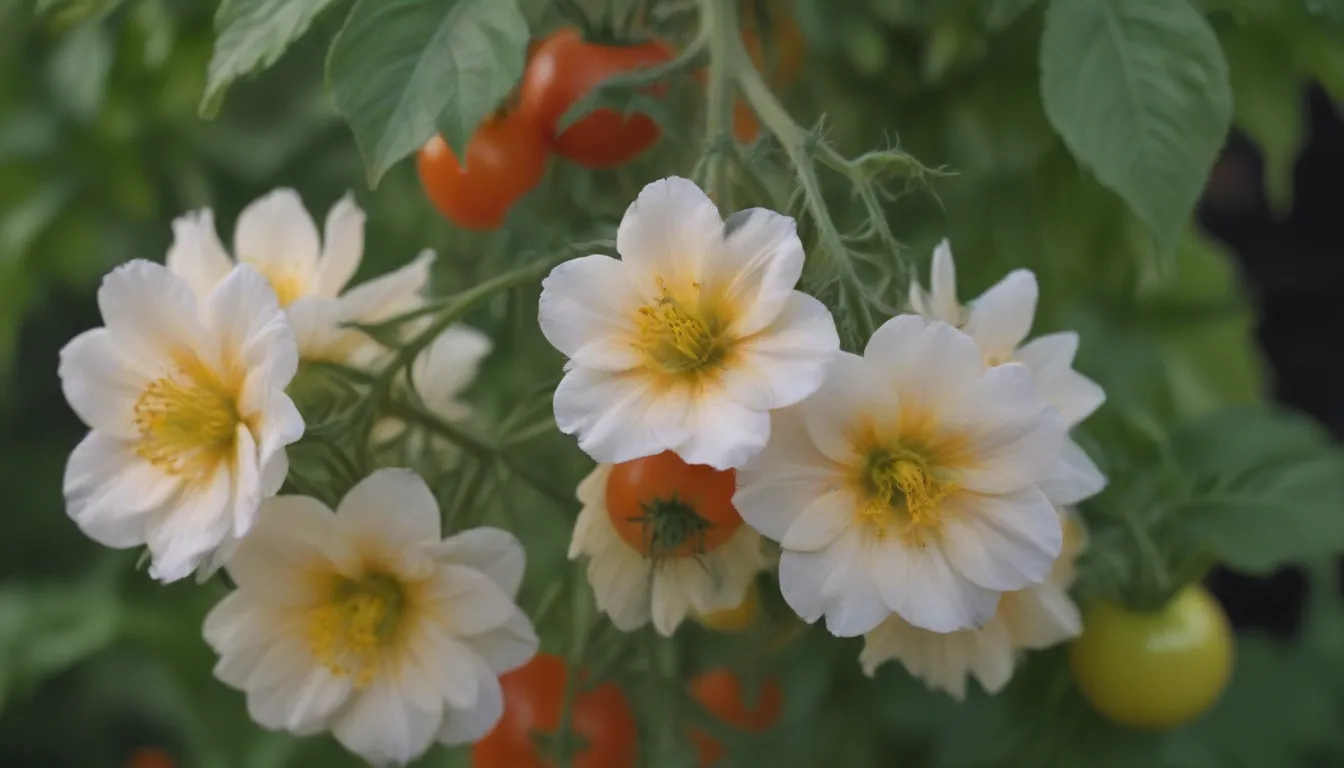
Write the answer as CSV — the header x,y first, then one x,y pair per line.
x,y
581,618
484,452
718,21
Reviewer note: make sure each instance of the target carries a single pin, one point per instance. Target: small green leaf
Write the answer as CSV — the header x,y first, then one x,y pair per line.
x,y
252,36
400,69
1139,91
1267,486
1267,93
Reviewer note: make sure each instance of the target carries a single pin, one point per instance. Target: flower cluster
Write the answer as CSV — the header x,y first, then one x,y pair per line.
x,y
916,492
366,622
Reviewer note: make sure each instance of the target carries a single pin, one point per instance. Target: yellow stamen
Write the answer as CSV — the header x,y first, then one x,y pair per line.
x,y
187,422
902,490
680,336
349,634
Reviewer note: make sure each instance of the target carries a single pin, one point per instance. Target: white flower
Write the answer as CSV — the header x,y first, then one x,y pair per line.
x,y
691,338
188,414
999,320
908,484
1036,617
694,574
278,238
440,374
368,624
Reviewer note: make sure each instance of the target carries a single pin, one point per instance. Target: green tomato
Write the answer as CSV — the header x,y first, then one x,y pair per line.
x,y
1154,670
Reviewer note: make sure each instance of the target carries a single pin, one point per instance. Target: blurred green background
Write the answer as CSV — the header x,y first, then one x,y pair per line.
x,y
101,147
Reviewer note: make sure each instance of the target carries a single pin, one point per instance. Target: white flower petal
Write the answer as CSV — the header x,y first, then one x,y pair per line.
x,y
439,668
380,726
273,473
920,585
620,576
150,314
448,365
276,234
249,328
722,432
463,726
854,395
392,508
943,286
390,295
668,603
788,359
98,384
303,703
619,417
1041,616
927,362
775,486
1073,477
492,551
508,646
318,335
472,602
1002,542
762,259
1050,359
342,246
295,536
196,253
836,581
1015,435
1001,318
820,522
110,491
669,232
588,309
246,481
183,533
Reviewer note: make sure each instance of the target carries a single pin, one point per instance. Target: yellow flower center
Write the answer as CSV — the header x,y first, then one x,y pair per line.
x,y
187,423
679,336
361,619
901,491
289,287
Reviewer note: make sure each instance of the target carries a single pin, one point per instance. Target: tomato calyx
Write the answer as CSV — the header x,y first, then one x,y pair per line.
x,y
669,524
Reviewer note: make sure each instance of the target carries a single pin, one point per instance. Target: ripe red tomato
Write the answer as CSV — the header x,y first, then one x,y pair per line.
x,y
150,757
561,71
506,158
1157,669
533,697
720,693
663,506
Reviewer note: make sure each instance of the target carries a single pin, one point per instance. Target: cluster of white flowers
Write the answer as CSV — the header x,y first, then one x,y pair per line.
x,y
916,492
366,622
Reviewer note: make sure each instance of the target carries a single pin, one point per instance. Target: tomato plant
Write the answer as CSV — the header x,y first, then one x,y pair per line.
x,y
565,67
719,691
1155,669
505,159
533,699
663,506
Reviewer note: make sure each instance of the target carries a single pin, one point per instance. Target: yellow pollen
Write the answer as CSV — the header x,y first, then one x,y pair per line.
x,y
186,423
902,491
679,336
349,633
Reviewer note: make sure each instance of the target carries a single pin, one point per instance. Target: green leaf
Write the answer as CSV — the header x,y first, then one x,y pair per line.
x,y
1139,91
1267,90
45,629
1004,12
402,68
252,36
77,72
1267,486
1333,9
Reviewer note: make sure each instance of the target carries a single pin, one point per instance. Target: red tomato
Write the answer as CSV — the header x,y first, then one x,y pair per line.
x,y
561,71
663,506
720,693
533,697
505,159
150,757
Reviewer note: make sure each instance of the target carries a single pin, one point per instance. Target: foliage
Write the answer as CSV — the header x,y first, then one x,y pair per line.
x,y
1071,137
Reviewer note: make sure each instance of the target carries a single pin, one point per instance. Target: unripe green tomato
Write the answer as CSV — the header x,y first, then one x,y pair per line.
x,y
1154,669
